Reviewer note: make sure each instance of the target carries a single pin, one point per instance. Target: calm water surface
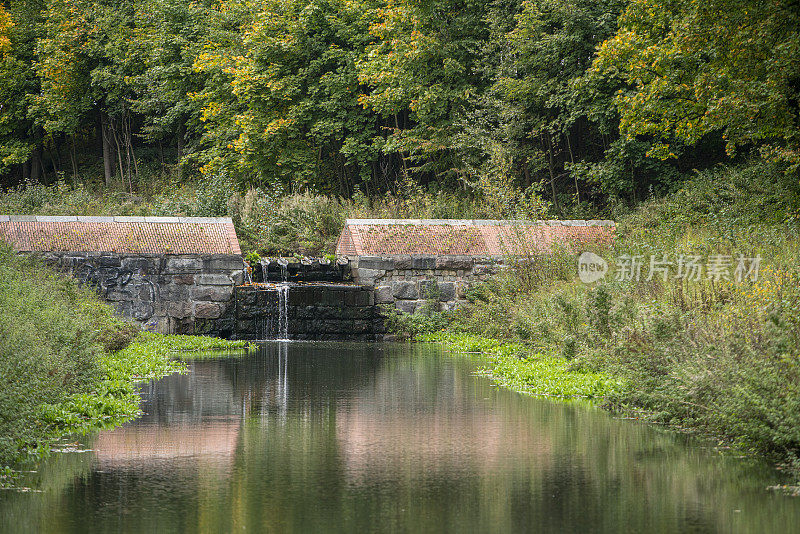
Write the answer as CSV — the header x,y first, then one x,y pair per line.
x,y
308,437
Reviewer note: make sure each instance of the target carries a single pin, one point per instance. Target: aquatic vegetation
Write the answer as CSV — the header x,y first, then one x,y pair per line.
x,y
511,365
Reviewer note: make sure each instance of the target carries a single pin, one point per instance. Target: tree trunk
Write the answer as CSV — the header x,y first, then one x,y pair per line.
x,y
73,160
180,135
551,168
108,150
572,160
36,164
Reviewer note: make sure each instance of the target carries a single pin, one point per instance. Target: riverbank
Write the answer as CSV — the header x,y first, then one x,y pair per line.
x,y
707,346
67,364
113,398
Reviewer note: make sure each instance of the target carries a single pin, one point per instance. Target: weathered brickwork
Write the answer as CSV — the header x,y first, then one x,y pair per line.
x,y
414,262
410,281
167,293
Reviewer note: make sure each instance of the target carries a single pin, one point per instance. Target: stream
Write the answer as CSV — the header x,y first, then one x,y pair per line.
x,y
338,437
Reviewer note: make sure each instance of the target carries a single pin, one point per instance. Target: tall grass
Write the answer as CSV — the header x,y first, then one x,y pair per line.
x,y
268,221
717,356
52,336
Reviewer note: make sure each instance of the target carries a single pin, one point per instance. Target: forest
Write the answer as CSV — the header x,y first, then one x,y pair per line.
x,y
569,107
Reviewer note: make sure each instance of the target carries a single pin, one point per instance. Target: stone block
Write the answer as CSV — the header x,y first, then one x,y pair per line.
x,y
183,279
427,288
361,327
179,310
454,262
484,269
119,295
402,262
423,262
447,291
204,327
406,306
212,293
224,264
384,294
174,293
213,280
183,265
183,326
461,288
405,290
142,311
147,293
358,298
376,262
367,277
139,264
107,261
207,310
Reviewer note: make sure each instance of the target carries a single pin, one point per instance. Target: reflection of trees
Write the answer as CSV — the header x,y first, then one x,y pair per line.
x,y
375,437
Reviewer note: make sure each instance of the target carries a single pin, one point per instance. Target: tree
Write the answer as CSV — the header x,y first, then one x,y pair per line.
x,y
20,139
297,85
423,76
694,68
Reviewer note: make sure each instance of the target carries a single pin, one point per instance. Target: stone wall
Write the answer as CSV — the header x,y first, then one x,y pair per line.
x,y
323,312
409,281
186,293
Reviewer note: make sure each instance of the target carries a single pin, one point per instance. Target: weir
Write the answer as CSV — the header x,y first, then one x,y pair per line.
x,y
320,311
179,275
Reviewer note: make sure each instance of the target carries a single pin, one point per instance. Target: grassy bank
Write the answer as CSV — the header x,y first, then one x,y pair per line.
x,y
716,355
67,364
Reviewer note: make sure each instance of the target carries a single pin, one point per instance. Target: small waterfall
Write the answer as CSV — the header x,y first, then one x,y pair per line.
x,y
264,269
283,311
283,262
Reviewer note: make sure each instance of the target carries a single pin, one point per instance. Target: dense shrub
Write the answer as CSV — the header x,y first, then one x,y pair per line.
x,y
52,333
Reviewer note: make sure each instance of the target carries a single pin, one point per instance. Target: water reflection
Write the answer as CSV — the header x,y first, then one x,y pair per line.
x,y
337,437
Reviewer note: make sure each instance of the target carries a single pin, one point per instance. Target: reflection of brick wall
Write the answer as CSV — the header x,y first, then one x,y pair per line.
x,y
168,293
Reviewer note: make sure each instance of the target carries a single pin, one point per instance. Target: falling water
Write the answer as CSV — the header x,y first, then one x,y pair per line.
x,y
265,269
283,311
283,262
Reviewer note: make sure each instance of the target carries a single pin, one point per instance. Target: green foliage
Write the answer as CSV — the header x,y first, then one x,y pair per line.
x,y
718,357
695,68
67,363
593,105
50,345
413,326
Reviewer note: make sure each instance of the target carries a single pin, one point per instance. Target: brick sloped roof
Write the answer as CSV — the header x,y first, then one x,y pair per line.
x,y
131,235
375,237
